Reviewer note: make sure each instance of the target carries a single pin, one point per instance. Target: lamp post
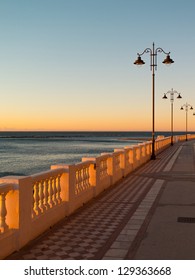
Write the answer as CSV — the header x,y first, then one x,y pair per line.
x,y
186,109
172,92
153,66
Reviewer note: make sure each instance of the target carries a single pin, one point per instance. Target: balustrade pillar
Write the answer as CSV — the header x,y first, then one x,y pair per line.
x,y
16,210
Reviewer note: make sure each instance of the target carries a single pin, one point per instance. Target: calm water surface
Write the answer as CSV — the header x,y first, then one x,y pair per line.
x,y
25,153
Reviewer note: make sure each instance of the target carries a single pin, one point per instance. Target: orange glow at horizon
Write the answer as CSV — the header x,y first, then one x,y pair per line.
x,y
90,124
95,117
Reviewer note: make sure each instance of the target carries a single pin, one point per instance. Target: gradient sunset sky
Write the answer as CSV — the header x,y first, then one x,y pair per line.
x,y
68,64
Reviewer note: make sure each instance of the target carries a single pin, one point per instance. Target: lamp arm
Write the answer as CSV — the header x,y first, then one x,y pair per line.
x,y
160,50
147,50
172,92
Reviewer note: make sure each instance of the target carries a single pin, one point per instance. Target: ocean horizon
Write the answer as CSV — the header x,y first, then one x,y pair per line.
x,y
31,152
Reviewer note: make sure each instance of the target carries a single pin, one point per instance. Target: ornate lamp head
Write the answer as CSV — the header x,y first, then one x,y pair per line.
x,y
168,60
179,96
139,61
164,97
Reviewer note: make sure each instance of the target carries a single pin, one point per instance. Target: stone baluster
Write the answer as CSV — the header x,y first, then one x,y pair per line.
x,y
51,203
36,199
76,182
103,169
79,180
118,162
88,177
33,214
55,190
46,194
58,189
41,196
3,212
85,177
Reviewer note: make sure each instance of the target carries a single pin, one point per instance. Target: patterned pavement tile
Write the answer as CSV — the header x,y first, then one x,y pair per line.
x,y
81,237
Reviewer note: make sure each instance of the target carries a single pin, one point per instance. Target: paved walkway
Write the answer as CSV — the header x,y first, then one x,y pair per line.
x,y
148,215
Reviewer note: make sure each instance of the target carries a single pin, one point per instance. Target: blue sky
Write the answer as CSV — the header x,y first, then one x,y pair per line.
x,y
68,64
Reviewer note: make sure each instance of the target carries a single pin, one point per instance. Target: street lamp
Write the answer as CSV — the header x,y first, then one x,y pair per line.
x,y
153,66
186,108
172,92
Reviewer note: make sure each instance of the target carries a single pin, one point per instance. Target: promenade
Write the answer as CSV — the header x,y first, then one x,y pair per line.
x,y
150,214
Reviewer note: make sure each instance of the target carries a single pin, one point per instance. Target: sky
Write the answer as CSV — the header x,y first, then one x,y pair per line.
x,y
68,64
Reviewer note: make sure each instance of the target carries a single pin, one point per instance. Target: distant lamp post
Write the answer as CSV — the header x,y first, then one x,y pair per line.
x,y
153,66
187,106
172,92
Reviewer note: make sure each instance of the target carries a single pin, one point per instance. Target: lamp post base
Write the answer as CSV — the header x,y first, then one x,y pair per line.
x,y
153,157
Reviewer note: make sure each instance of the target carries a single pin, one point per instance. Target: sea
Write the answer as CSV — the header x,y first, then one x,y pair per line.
x,y
27,153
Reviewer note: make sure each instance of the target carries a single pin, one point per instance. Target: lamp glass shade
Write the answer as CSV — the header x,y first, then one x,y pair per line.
x,y
179,96
164,97
139,61
168,60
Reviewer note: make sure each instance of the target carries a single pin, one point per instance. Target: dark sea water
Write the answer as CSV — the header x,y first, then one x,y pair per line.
x,y
26,153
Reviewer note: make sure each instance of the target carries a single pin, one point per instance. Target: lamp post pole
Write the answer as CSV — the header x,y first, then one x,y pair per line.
x,y
186,105
172,92
153,66
153,101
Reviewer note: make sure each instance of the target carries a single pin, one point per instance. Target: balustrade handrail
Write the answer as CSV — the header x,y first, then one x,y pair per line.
x,y
45,174
6,187
83,164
